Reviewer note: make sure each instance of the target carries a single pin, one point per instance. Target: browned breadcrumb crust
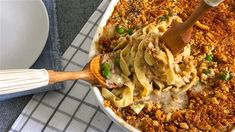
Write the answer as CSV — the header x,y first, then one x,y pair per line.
x,y
212,109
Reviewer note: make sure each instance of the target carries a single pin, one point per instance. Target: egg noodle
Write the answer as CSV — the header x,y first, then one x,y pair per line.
x,y
149,68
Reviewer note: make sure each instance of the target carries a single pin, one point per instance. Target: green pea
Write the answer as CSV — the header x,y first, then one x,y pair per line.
x,y
207,71
164,18
225,76
130,31
106,73
117,61
198,83
106,66
120,30
209,57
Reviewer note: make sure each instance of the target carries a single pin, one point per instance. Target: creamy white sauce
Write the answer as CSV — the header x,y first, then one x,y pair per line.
x,y
169,101
116,79
198,88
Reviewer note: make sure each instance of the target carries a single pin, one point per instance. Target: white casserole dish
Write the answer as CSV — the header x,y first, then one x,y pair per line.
x,y
95,90
93,52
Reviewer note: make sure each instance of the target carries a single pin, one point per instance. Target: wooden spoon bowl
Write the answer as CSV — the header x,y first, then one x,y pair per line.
x,y
19,80
90,73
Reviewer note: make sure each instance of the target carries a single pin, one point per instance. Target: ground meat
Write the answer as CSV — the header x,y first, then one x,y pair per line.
x,y
105,44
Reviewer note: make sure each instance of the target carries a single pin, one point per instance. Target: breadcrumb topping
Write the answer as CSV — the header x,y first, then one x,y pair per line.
x,y
213,47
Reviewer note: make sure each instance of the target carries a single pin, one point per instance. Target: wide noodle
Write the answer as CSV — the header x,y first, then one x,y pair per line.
x,y
144,62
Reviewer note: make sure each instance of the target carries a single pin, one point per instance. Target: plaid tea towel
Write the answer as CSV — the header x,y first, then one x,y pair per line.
x,y
73,109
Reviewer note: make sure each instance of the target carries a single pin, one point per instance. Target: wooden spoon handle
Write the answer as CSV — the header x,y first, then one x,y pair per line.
x,y
20,80
201,10
55,76
205,6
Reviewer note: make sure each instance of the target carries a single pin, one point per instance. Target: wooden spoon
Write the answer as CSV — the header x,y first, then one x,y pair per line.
x,y
12,81
90,73
178,36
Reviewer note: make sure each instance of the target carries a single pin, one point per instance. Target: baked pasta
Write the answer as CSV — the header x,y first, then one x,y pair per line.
x,y
192,91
